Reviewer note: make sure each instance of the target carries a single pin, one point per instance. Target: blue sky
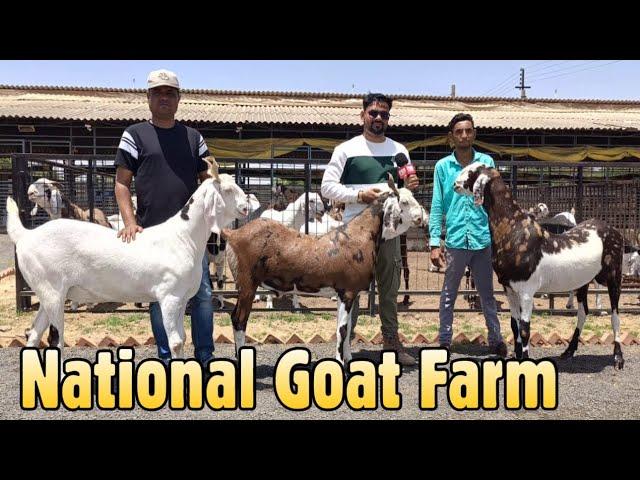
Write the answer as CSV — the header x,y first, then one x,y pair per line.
x,y
587,79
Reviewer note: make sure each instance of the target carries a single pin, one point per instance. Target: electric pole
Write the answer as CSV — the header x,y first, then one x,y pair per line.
x,y
521,87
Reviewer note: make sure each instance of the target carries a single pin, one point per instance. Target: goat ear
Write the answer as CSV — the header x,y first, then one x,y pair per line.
x,y
254,203
213,167
56,201
383,196
390,221
478,188
214,208
392,184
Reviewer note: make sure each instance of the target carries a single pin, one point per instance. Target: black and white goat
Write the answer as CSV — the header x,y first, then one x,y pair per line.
x,y
560,223
527,259
46,194
88,263
268,254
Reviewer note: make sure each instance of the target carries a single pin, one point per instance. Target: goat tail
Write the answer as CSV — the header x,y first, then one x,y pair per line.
x,y
15,229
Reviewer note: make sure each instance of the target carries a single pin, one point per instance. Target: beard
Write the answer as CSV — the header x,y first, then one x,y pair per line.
x,y
377,128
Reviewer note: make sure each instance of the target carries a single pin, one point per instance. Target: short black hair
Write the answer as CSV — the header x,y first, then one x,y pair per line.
x,y
460,117
376,98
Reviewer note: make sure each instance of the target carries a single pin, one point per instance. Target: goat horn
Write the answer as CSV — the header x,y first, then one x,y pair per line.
x,y
213,167
392,185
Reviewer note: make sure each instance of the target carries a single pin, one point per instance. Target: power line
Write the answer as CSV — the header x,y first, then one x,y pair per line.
x,y
547,67
506,89
581,70
504,86
570,67
508,79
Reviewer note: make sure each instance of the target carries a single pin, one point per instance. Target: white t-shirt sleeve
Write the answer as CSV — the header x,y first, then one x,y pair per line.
x,y
331,187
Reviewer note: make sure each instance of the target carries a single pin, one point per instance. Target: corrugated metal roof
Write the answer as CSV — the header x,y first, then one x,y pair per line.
x,y
109,104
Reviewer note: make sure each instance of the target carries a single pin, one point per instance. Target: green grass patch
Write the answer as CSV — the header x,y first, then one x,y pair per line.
x,y
118,322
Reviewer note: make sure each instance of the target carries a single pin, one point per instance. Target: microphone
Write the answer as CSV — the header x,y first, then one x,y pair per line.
x,y
405,168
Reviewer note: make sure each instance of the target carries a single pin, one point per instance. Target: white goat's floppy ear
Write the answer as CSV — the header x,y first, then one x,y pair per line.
x,y
390,218
56,202
254,203
214,209
478,188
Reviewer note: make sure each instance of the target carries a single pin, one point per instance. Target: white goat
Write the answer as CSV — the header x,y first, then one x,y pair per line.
x,y
216,246
528,259
634,264
342,262
45,193
293,217
116,221
88,263
320,227
540,211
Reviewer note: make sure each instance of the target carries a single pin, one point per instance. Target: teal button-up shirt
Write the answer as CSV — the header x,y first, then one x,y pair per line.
x,y
467,225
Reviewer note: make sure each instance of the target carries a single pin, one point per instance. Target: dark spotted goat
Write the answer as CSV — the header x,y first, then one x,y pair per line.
x,y
268,254
528,259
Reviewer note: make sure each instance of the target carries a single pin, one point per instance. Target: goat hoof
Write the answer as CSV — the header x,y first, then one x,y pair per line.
x,y
405,301
618,362
567,354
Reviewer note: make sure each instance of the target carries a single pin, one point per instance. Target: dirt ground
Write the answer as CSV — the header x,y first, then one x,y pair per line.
x,y
98,323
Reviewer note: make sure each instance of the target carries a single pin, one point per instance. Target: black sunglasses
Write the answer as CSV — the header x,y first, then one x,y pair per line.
x,y
375,113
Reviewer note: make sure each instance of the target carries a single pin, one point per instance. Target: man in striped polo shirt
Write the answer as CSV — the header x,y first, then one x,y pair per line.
x,y
165,157
357,171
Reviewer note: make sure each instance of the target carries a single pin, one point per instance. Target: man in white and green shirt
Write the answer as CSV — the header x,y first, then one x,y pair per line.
x,y
468,239
357,171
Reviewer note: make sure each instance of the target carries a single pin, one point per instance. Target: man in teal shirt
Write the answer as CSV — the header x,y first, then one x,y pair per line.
x,y
468,239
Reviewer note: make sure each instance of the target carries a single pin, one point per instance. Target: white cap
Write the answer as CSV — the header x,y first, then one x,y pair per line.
x,y
159,78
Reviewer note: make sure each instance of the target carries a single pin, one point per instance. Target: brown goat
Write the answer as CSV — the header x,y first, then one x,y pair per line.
x,y
266,253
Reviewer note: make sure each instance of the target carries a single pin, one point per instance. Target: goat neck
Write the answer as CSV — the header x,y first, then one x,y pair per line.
x,y
191,224
70,210
504,213
369,219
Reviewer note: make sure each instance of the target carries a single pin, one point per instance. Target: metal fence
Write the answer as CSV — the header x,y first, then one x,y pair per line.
x,y
608,191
